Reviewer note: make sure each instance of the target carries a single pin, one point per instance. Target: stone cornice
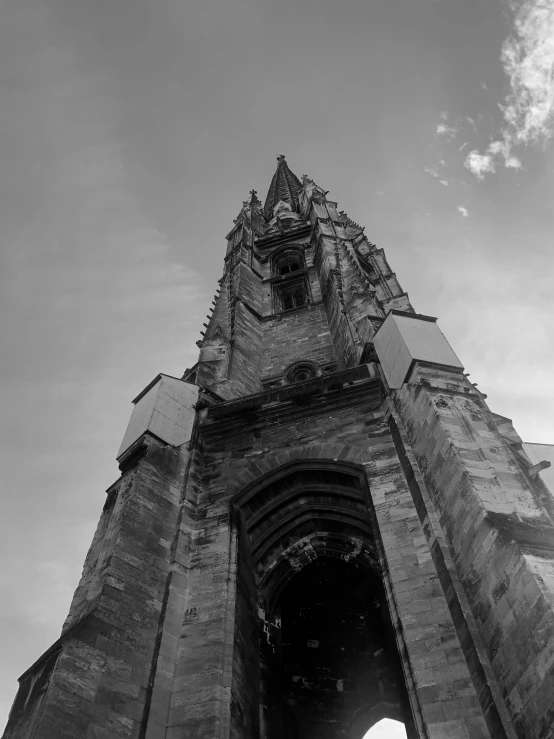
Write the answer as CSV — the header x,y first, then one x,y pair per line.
x,y
290,402
274,239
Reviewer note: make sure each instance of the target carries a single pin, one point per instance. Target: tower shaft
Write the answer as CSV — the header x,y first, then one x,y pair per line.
x,y
320,525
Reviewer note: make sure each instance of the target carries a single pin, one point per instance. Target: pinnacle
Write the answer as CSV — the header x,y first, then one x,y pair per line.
x,y
251,201
285,185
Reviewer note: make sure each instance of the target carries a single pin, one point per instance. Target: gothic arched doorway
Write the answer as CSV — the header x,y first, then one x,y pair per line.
x,y
322,651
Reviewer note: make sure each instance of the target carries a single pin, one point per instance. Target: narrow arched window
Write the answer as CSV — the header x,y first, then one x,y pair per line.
x,y
290,284
288,263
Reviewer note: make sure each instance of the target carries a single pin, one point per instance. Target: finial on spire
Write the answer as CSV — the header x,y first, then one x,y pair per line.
x,y
251,209
281,158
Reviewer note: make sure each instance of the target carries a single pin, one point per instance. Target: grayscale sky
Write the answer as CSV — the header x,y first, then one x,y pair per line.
x,y
130,133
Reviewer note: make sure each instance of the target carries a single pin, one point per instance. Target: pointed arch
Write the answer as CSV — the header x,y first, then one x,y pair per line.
x,y
305,509
304,521
339,455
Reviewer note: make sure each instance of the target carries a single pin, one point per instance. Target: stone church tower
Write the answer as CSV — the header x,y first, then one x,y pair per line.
x,y
319,525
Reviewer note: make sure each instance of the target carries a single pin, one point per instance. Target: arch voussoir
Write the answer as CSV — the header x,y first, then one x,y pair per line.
x,y
254,472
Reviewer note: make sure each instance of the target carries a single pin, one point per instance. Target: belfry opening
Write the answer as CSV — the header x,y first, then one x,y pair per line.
x,y
328,665
318,528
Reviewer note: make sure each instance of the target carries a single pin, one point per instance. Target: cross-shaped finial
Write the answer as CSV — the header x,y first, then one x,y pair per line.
x,y
254,194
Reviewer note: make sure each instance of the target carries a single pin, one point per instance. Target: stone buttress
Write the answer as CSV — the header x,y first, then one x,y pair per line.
x,y
321,524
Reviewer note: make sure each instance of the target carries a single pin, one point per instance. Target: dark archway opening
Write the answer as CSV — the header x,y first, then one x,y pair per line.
x,y
315,653
330,666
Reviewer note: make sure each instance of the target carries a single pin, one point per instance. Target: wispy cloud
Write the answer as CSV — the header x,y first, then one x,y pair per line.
x,y
445,128
464,211
434,172
528,59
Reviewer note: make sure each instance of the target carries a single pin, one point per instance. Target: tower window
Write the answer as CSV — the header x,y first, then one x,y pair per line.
x,y
293,296
288,263
286,268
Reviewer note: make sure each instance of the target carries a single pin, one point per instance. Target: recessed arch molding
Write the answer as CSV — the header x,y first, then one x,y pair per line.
x,y
309,561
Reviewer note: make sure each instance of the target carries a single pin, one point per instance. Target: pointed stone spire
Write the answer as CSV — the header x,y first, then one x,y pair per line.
x,y
285,186
250,205
251,215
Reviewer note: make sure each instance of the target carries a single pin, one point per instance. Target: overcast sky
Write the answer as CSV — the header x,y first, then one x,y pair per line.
x,y
130,133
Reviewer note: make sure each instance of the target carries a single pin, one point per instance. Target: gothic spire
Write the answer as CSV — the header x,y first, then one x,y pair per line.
x,y
250,205
251,216
285,185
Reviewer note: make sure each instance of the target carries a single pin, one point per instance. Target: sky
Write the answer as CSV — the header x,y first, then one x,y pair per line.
x,y
386,729
130,133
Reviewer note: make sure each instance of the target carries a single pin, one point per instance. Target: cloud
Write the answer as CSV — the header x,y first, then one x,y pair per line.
x,y
480,164
463,211
512,162
443,129
434,172
527,57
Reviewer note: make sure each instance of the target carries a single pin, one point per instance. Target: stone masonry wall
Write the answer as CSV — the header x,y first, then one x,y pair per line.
x,y
329,274
303,334
444,698
246,352
100,685
499,530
